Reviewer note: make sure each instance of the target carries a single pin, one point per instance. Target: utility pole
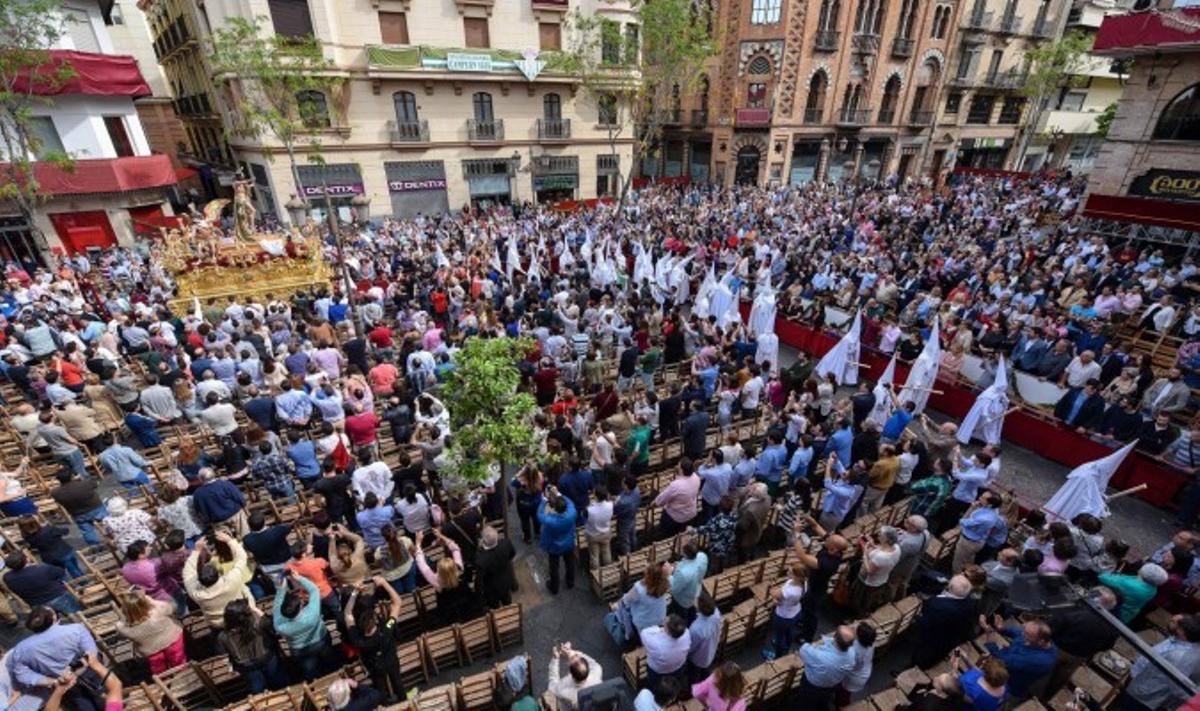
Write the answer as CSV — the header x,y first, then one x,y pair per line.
x,y
347,285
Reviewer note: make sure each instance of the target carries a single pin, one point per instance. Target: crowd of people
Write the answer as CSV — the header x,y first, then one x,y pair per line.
x,y
636,337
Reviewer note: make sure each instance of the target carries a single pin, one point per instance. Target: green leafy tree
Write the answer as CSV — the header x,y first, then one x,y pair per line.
x,y
636,78
27,76
276,80
1105,119
492,421
1053,66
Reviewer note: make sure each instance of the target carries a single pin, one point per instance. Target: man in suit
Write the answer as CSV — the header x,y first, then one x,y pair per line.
x,y
1168,394
1157,434
668,413
1111,362
1081,409
695,431
863,401
945,622
1054,361
1029,350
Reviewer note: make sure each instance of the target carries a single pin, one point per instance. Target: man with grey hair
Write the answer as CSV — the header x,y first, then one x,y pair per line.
x,y
493,567
914,537
945,622
1136,591
880,554
219,503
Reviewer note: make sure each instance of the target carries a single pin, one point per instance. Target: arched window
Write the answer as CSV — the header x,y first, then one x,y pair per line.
x,y
1180,121
870,15
551,107
759,65
829,15
313,109
891,97
815,102
482,102
908,18
406,107
703,93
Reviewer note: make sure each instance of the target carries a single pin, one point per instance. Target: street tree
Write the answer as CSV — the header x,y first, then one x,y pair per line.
x,y
29,75
280,86
636,78
1052,67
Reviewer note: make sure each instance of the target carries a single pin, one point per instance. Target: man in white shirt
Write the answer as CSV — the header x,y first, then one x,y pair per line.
x,y
667,647
583,671
751,392
1081,369
375,477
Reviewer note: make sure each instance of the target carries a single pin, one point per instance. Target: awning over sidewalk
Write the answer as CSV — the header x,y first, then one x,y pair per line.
x,y
110,175
1146,211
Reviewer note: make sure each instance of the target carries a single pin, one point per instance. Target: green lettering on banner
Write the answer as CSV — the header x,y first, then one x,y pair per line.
x,y
459,62
555,182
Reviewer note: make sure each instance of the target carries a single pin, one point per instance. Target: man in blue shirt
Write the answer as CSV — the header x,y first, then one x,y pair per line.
x,y
839,442
715,478
771,463
708,378
981,522
293,406
840,495
577,486
969,476
1030,656
801,459
303,454
827,662
896,424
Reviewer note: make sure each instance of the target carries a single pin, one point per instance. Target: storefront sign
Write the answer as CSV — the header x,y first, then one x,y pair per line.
x,y
461,62
342,190
555,182
402,186
1167,185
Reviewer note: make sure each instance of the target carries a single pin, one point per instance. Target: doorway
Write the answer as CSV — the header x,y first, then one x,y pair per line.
x,y
746,172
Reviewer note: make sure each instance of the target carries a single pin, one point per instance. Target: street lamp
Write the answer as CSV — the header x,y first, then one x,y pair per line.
x,y
362,207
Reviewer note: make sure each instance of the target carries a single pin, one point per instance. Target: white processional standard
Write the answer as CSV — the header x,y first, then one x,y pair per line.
x,y
985,420
1083,491
842,359
924,371
883,395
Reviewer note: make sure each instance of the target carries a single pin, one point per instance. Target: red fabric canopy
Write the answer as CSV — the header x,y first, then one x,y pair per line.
x,y
110,175
95,74
1148,32
1146,211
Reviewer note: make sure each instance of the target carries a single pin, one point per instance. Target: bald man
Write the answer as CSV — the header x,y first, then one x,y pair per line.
x,y
821,569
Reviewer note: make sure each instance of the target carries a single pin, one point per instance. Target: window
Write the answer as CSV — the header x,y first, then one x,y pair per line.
x,y
549,35
476,31
759,65
816,98
953,101
394,27
765,12
482,103
119,137
43,137
756,95
966,62
870,14
632,44
1072,101
607,106
291,18
1010,112
551,107
115,16
941,21
829,16
981,109
313,109
78,26
406,107
610,42
1180,121
994,65
908,18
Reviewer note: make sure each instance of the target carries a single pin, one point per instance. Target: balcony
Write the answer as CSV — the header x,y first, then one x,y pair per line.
x,y
826,41
485,131
1004,80
1011,24
409,131
964,80
192,106
920,118
1043,27
864,43
554,129
902,48
979,21
699,117
672,117
753,117
813,115
1071,122
853,117
886,116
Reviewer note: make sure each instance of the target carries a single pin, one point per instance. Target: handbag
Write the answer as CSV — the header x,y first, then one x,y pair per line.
x,y
618,623
436,515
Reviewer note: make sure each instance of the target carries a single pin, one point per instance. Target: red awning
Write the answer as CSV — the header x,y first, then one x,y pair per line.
x,y
182,174
991,172
111,175
1148,32
95,74
1146,211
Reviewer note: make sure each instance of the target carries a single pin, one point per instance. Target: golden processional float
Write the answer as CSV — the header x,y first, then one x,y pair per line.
x,y
209,265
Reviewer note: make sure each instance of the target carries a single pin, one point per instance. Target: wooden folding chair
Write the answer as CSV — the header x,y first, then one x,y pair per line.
x,y
908,607
408,622
185,688
143,697
476,638
606,581
508,626
724,586
227,683
439,698
476,692
442,649
734,630
413,668
634,666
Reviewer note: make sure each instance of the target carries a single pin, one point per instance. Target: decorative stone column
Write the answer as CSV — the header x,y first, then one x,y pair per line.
x,y
822,160
889,152
859,147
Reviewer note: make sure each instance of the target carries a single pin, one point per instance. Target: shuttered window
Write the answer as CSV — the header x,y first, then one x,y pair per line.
x,y
550,35
394,27
476,31
79,29
291,18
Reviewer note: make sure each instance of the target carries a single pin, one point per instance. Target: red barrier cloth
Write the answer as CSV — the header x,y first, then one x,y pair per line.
x,y
1043,436
95,74
1148,211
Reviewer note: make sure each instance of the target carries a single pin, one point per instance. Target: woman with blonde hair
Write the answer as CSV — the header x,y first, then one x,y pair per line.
x,y
456,600
150,624
787,611
722,690
185,397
